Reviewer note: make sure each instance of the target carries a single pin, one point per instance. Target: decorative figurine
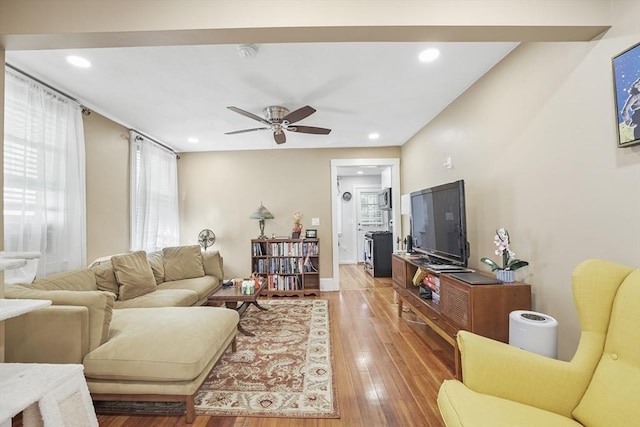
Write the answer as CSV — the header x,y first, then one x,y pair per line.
x,y
297,225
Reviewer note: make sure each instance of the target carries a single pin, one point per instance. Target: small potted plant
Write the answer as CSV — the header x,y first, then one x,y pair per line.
x,y
510,263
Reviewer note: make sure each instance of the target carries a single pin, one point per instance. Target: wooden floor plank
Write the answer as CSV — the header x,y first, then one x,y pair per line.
x,y
388,369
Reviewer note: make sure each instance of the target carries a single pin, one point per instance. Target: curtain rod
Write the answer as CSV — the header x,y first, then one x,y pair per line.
x,y
85,110
142,135
66,95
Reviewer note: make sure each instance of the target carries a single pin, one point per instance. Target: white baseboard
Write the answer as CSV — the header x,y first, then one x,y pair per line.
x,y
329,285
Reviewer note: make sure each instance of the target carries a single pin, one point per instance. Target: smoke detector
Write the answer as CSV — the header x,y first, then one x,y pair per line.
x,y
247,50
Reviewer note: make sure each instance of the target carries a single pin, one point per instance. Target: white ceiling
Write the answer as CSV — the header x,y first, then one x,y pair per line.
x,y
176,92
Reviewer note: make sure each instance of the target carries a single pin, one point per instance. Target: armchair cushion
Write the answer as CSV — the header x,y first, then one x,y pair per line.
x,y
461,406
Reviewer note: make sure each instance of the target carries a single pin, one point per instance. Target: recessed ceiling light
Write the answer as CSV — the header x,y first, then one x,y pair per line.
x,y
429,55
374,135
193,140
247,50
78,61
359,172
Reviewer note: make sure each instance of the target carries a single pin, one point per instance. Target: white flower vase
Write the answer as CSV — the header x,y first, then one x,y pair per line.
x,y
506,276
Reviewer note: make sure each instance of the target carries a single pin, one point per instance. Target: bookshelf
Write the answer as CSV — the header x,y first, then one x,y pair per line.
x,y
290,266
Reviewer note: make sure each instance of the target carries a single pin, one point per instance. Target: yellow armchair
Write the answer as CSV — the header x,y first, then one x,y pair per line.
x,y
600,387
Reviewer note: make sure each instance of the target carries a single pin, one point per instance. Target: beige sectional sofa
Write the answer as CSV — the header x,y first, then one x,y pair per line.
x,y
135,322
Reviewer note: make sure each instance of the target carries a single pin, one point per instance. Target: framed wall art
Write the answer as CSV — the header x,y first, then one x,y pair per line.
x,y
626,86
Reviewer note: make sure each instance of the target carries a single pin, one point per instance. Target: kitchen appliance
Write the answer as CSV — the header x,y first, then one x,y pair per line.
x,y
384,199
378,246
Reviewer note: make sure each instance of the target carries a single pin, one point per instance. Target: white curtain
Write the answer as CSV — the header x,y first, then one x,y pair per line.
x,y
154,195
44,178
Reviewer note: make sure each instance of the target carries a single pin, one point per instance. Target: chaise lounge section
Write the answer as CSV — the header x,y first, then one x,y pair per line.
x,y
135,322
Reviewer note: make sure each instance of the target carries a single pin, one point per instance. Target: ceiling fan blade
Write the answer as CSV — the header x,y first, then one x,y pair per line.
x,y
245,130
279,137
310,129
250,115
299,114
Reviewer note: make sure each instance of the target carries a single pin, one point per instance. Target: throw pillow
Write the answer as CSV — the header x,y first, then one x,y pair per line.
x,y
157,266
133,274
105,277
182,262
212,263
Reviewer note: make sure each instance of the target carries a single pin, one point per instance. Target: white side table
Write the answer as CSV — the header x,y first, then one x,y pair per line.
x,y
57,393
15,307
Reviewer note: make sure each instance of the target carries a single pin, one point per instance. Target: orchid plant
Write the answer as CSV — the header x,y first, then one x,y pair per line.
x,y
509,261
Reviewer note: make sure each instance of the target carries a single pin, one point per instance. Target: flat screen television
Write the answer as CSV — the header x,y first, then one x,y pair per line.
x,y
439,226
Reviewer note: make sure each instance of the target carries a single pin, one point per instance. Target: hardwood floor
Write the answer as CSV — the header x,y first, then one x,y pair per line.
x,y
388,370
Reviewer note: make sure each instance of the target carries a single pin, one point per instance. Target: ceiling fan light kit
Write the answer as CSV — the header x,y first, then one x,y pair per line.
x,y
278,119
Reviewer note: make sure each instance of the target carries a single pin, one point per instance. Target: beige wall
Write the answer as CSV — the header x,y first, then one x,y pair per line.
x,y
62,24
219,190
107,169
535,142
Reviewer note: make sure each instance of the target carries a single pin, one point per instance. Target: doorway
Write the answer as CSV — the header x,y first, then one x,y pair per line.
x,y
345,234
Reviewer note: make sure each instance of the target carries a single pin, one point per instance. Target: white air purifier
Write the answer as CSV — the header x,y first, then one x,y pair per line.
x,y
535,332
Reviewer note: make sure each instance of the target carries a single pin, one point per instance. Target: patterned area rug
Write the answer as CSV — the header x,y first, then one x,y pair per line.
x,y
285,370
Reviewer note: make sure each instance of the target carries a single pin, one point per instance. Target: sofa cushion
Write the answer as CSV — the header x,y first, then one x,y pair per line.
x,y
133,274
82,279
157,266
161,344
212,263
106,278
161,298
617,375
182,262
202,286
99,303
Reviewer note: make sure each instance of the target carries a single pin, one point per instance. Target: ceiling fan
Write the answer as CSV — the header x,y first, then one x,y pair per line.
x,y
278,119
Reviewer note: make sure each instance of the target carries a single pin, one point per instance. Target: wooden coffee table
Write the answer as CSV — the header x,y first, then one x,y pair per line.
x,y
235,300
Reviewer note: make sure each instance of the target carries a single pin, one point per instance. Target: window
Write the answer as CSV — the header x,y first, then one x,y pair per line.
x,y
154,195
370,213
44,182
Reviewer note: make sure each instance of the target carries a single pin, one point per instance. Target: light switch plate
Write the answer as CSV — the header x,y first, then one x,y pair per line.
x,y
315,221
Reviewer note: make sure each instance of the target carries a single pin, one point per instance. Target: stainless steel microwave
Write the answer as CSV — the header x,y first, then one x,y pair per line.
x,y
384,199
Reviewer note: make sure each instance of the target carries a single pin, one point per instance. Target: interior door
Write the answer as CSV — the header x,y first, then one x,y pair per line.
x,y
368,216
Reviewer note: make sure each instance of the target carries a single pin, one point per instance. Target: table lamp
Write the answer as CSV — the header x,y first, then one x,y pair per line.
x,y
261,214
